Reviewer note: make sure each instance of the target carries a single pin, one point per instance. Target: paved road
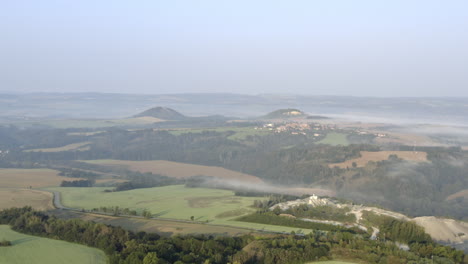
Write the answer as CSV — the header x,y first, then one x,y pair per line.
x,y
58,201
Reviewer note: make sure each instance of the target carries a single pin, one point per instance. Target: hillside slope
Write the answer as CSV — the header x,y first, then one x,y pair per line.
x,y
162,113
285,113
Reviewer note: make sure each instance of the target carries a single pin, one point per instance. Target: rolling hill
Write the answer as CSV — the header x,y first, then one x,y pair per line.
x,y
162,113
285,113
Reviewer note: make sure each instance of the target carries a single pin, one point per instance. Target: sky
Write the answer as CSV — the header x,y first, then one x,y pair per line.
x,y
329,47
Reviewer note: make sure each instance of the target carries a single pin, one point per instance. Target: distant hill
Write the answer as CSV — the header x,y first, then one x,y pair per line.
x,y
162,113
285,113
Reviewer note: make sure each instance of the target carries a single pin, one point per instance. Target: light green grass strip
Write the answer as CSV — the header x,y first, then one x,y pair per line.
x,y
31,249
176,202
335,139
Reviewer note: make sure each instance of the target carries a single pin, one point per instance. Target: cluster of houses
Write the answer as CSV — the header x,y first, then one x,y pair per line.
x,y
297,128
380,135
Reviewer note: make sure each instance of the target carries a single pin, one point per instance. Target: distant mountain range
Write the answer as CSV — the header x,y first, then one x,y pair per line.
x,y
86,105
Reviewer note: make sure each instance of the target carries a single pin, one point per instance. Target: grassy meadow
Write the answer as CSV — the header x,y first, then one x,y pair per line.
x,y
174,201
335,139
215,206
28,249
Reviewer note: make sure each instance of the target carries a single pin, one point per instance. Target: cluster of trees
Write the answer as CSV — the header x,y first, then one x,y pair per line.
x,y
77,183
5,243
74,173
322,212
116,210
412,188
272,200
138,180
403,231
127,247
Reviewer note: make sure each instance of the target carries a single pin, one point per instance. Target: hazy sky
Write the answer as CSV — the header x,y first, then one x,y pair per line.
x,y
327,47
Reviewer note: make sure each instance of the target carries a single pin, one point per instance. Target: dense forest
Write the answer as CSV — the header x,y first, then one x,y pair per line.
x,y
123,246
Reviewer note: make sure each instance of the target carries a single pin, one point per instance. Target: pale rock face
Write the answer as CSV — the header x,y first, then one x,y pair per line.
x,y
313,200
293,113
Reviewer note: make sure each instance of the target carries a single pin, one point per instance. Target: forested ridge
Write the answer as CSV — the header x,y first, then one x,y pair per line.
x,y
412,188
123,246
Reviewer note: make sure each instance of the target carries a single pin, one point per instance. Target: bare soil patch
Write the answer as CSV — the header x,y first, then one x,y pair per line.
x,y
443,229
38,200
180,170
367,156
463,193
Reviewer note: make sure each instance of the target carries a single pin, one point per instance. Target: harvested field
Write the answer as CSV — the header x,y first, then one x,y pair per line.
x,y
82,146
462,193
367,156
38,200
179,170
404,139
443,229
35,178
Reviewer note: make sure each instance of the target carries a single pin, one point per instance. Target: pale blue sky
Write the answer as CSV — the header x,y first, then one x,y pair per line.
x,y
328,47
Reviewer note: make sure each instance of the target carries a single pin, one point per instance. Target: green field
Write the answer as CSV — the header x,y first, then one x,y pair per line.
x,y
240,132
330,262
216,206
30,249
335,139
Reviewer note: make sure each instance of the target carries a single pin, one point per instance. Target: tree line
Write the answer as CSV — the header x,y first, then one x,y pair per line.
x,y
122,246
